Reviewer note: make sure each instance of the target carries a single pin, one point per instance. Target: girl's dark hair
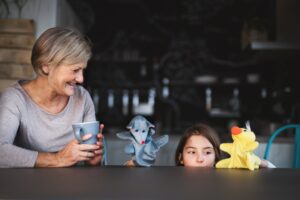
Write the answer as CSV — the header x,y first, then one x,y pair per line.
x,y
199,129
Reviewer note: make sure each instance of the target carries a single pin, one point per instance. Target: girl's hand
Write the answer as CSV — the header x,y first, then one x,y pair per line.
x,y
266,164
263,163
130,163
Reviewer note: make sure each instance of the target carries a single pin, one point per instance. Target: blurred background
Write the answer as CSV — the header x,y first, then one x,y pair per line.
x,y
177,62
181,62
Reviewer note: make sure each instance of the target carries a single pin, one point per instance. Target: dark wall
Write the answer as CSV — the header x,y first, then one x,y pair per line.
x,y
190,48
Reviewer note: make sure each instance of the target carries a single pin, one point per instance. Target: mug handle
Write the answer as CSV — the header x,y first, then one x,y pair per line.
x,y
78,134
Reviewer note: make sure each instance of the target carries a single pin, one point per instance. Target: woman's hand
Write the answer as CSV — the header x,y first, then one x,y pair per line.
x,y
68,156
75,152
99,152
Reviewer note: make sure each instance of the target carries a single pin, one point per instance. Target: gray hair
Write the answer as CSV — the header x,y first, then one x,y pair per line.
x,y
60,45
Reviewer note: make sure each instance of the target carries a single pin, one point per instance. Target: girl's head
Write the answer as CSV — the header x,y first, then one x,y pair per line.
x,y
198,147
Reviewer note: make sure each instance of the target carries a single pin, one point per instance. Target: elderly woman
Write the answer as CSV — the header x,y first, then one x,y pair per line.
x,y
36,116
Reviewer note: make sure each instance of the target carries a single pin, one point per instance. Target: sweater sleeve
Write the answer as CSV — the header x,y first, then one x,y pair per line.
x,y
10,154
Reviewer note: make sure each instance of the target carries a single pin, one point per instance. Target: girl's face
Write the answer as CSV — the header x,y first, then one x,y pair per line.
x,y
63,78
198,152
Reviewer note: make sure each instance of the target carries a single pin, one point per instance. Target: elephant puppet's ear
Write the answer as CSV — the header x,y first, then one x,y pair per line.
x,y
130,125
152,130
133,121
150,125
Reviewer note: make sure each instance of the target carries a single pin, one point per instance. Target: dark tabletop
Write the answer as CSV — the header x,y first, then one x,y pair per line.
x,y
149,183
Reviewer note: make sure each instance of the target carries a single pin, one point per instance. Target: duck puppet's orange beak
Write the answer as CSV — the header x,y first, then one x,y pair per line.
x,y
236,130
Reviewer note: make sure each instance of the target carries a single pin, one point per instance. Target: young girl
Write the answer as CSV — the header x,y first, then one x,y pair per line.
x,y
199,147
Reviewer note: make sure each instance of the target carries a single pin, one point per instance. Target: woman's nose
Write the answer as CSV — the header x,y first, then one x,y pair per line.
x,y
79,77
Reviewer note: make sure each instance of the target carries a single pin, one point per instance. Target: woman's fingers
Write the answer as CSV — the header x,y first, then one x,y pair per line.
x,y
89,135
101,127
86,136
99,152
74,142
100,144
88,147
100,137
86,154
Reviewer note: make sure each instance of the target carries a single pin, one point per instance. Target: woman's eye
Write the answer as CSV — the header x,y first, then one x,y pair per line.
x,y
191,152
208,152
76,70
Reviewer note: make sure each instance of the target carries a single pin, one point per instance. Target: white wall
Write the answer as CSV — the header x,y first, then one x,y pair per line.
x,y
281,153
47,14
66,16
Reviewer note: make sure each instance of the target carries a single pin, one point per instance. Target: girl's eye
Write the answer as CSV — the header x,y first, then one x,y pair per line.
x,y
136,130
143,131
191,152
208,152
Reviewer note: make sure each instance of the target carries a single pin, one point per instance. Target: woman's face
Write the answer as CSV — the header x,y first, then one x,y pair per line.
x,y
198,152
63,78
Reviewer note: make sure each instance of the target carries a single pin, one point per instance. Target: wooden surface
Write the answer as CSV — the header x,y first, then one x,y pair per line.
x,y
18,56
23,26
16,41
19,71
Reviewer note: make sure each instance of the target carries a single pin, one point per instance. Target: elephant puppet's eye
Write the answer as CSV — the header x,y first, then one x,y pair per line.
x,y
136,130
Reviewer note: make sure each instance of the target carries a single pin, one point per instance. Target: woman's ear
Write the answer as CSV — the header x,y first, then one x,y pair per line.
x,y
45,69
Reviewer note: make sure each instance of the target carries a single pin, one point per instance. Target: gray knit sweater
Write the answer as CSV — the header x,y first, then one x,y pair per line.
x,y
26,129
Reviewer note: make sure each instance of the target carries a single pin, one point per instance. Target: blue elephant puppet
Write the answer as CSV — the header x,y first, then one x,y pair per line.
x,y
143,147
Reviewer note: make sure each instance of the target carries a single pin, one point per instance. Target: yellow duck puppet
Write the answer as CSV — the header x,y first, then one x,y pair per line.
x,y
240,150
